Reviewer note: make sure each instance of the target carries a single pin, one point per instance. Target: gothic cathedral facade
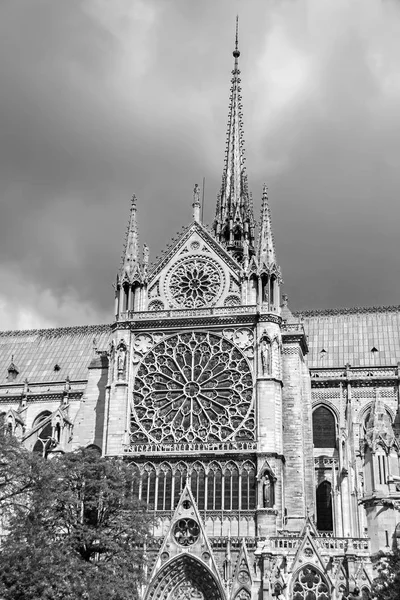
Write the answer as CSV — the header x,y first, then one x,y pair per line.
x,y
266,442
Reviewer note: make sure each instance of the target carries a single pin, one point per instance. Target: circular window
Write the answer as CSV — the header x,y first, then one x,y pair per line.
x,y
186,532
193,387
195,283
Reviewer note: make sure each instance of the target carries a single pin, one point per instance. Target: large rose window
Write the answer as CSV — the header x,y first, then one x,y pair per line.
x,y
193,387
195,283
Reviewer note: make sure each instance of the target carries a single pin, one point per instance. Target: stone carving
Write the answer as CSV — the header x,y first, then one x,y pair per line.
x,y
195,283
309,583
143,343
265,353
186,532
156,305
154,291
268,492
121,360
193,387
196,194
195,245
232,301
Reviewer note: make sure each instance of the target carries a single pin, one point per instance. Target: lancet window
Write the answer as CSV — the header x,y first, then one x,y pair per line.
x,y
216,486
324,428
324,507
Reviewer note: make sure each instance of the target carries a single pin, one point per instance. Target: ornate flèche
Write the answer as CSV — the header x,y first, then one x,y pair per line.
x,y
193,387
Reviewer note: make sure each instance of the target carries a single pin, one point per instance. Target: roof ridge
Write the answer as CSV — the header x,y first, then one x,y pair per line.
x,y
57,330
329,312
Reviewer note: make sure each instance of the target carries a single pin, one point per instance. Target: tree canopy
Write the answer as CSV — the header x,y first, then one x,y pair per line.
x,y
73,527
386,586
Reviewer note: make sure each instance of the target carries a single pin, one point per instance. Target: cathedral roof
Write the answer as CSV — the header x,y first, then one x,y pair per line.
x,y
51,354
359,336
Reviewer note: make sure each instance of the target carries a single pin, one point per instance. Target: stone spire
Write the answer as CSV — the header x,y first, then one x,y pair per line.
x,y
234,221
266,256
130,266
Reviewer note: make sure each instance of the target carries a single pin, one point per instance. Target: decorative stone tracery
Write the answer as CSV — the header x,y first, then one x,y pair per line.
x,y
195,282
193,387
310,585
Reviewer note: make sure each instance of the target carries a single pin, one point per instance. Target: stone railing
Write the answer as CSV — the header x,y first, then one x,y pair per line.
x,y
218,311
332,545
180,447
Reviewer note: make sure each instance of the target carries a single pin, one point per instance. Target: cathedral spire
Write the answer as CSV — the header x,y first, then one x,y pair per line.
x,y
130,289
130,258
266,255
234,221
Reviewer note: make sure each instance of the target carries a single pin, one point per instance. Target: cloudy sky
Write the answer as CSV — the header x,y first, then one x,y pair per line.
x,y
101,99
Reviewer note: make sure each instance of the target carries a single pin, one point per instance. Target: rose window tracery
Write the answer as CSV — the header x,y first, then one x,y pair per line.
x,y
186,532
195,283
193,387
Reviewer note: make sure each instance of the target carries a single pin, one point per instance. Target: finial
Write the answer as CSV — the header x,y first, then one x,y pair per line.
x,y
133,202
236,52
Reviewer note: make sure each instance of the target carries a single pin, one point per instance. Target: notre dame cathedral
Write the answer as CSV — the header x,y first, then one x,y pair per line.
x,y
264,441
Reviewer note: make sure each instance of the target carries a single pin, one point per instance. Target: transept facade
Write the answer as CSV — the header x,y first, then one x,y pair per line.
x,y
265,442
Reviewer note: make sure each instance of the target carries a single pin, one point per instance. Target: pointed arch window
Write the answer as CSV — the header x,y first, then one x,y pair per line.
x,y
324,507
309,584
231,487
324,428
164,489
180,478
44,435
149,485
248,487
197,484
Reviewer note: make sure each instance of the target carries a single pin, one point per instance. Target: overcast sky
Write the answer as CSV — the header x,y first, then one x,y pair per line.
x,y
101,99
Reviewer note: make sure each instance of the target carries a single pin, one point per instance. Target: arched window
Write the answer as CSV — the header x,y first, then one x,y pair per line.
x,y
179,482
365,593
324,507
214,486
164,488
44,435
149,485
197,484
324,428
231,487
248,477
309,584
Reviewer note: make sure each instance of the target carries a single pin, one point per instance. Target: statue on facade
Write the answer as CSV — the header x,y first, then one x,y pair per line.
x,y
196,194
268,492
121,361
265,357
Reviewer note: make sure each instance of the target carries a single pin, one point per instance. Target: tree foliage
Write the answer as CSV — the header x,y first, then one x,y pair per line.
x,y
76,531
386,586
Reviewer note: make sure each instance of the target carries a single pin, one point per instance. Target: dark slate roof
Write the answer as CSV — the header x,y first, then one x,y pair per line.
x,y
35,352
349,335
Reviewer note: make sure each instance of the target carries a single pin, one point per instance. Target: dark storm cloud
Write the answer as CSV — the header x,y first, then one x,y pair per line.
x,y
103,99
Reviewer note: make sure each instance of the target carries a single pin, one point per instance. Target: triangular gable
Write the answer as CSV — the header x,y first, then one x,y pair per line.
x,y
178,244
196,272
308,552
242,578
186,534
